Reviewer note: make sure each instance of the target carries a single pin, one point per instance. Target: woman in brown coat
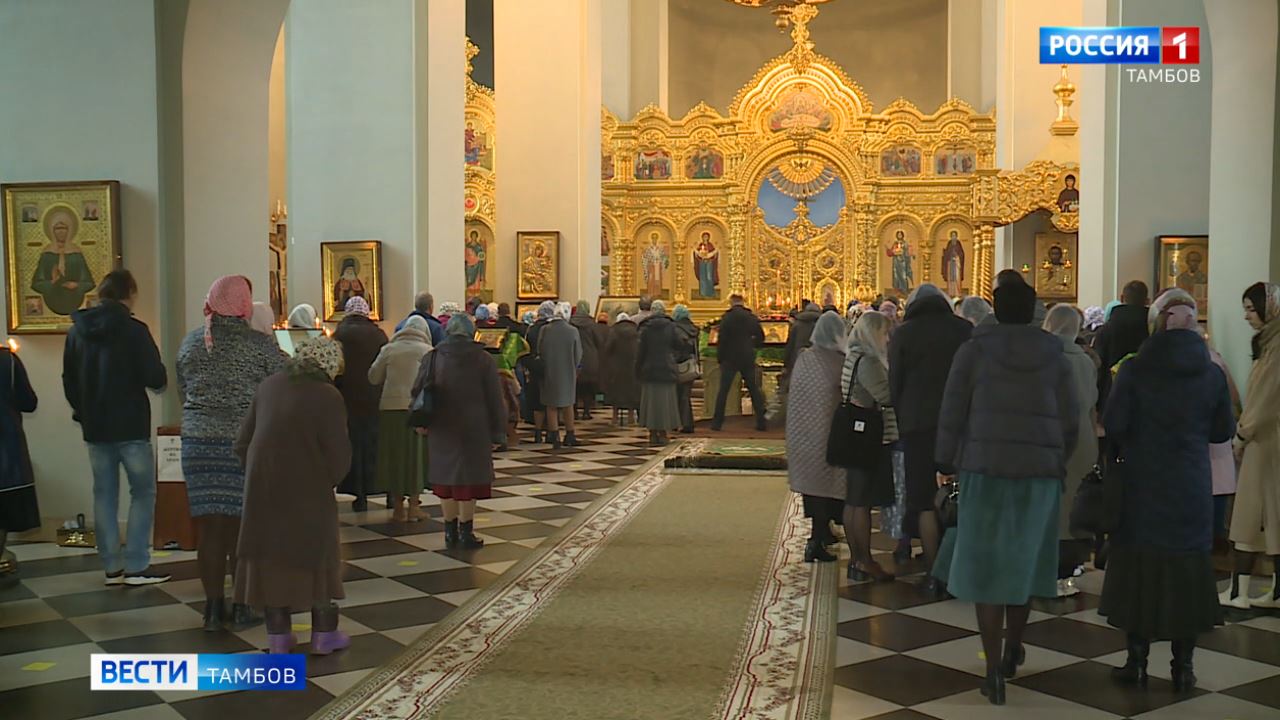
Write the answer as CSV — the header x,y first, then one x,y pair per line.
x,y
465,389
295,450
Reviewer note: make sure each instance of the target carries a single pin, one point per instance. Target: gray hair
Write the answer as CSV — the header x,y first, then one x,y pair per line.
x,y
829,332
974,308
460,325
657,307
424,302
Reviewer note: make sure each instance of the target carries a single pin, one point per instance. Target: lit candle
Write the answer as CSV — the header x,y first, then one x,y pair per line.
x,y
13,346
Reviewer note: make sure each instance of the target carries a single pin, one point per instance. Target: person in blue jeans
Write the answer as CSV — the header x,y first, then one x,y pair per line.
x,y
108,364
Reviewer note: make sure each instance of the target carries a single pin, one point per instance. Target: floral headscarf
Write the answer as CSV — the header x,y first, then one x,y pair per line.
x,y
321,352
229,296
1094,316
547,310
357,306
528,317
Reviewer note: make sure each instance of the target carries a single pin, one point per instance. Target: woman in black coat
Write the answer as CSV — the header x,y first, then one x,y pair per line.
x,y
656,370
18,509
591,334
1167,405
687,333
618,363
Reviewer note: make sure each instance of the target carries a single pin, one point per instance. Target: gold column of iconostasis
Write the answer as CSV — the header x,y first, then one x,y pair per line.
x,y
804,191
478,197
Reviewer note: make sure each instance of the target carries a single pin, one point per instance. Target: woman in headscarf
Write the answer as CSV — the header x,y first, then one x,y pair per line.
x,y
536,369
811,403
560,348
294,447
656,369
1255,521
402,461
361,341
889,309
975,309
864,379
1063,321
1008,423
219,367
622,389
483,318
303,317
18,508
263,319
468,400
1168,403
589,333
687,333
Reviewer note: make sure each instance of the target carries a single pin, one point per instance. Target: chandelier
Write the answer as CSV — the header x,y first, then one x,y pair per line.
x,y
782,9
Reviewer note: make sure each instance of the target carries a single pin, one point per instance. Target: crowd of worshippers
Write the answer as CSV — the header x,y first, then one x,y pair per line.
x,y
1019,441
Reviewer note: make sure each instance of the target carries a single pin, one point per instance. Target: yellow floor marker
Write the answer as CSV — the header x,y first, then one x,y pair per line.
x,y
38,666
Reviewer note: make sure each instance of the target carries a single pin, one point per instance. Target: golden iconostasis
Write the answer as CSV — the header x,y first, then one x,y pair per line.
x,y
804,190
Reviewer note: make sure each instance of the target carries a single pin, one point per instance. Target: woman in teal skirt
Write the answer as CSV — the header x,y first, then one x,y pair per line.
x,y
402,453
1008,424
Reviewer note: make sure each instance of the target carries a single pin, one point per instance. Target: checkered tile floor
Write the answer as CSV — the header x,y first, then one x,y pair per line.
x,y
899,655
399,581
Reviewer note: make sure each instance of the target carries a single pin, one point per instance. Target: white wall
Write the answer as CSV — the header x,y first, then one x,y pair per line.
x,y
615,42
65,123
277,137
440,98
351,129
549,135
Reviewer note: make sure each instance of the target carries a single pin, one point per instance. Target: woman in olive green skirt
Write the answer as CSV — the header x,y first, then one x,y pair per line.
x,y
402,453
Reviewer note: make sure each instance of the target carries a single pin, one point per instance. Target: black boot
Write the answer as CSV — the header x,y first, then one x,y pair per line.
x,y
1180,667
467,536
553,437
993,688
451,534
213,610
243,617
537,437
571,440
1011,661
1134,670
815,551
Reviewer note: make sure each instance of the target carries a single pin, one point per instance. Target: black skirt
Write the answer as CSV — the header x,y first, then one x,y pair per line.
x,y
18,509
871,488
921,469
1160,594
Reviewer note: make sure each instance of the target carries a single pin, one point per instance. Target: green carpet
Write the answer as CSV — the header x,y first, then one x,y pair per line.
x,y
655,621
730,454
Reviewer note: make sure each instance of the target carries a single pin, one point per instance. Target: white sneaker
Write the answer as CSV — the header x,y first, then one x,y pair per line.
x,y
146,577
1268,599
116,579
1241,601
1067,588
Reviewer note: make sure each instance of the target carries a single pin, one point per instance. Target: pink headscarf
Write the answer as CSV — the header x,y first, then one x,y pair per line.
x,y
357,306
1180,317
229,296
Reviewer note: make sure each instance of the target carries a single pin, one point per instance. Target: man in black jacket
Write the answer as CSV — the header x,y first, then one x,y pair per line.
x,y
920,354
108,364
1126,329
740,335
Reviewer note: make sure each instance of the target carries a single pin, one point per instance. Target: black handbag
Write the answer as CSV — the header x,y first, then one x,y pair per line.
x,y
1089,507
422,408
856,432
946,502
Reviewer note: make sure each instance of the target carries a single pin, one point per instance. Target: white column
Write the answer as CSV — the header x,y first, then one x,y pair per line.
x,y
650,66
440,96
548,147
1241,191
615,41
965,44
1097,117
225,73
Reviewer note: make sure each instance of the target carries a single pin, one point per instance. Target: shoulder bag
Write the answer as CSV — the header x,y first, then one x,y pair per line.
x,y
422,409
946,501
856,432
1089,506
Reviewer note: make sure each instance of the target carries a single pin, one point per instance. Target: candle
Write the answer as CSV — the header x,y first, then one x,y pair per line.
x,y
13,346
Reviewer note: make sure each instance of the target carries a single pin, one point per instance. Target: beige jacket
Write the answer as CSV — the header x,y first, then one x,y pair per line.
x,y
396,367
1255,522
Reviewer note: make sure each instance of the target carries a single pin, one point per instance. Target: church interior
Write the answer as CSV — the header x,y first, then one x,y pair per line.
x,y
708,154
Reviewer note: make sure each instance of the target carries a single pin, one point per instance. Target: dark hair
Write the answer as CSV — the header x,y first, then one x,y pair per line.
x,y
1257,295
424,303
1135,293
646,303
504,309
1015,303
736,299
1008,276
118,285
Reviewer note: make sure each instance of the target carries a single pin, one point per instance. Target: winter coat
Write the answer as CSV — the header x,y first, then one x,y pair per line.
x,y
1122,335
1259,432
659,343
1009,409
688,334
108,364
871,388
396,367
217,386
1221,456
618,365
468,398
294,447
740,335
589,334
16,397
1167,405
1085,456
798,338
920,354
812,402
560,347
433,324
361,340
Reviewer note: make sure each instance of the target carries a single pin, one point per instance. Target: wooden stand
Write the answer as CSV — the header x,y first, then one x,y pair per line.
x,y
173,517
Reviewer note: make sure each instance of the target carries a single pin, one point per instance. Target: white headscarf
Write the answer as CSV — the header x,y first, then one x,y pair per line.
x,y
303,316
870,337
263,319
1064,321
829,332
564,311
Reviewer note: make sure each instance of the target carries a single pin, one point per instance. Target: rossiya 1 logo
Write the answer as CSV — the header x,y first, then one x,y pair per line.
x,y
1175,49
